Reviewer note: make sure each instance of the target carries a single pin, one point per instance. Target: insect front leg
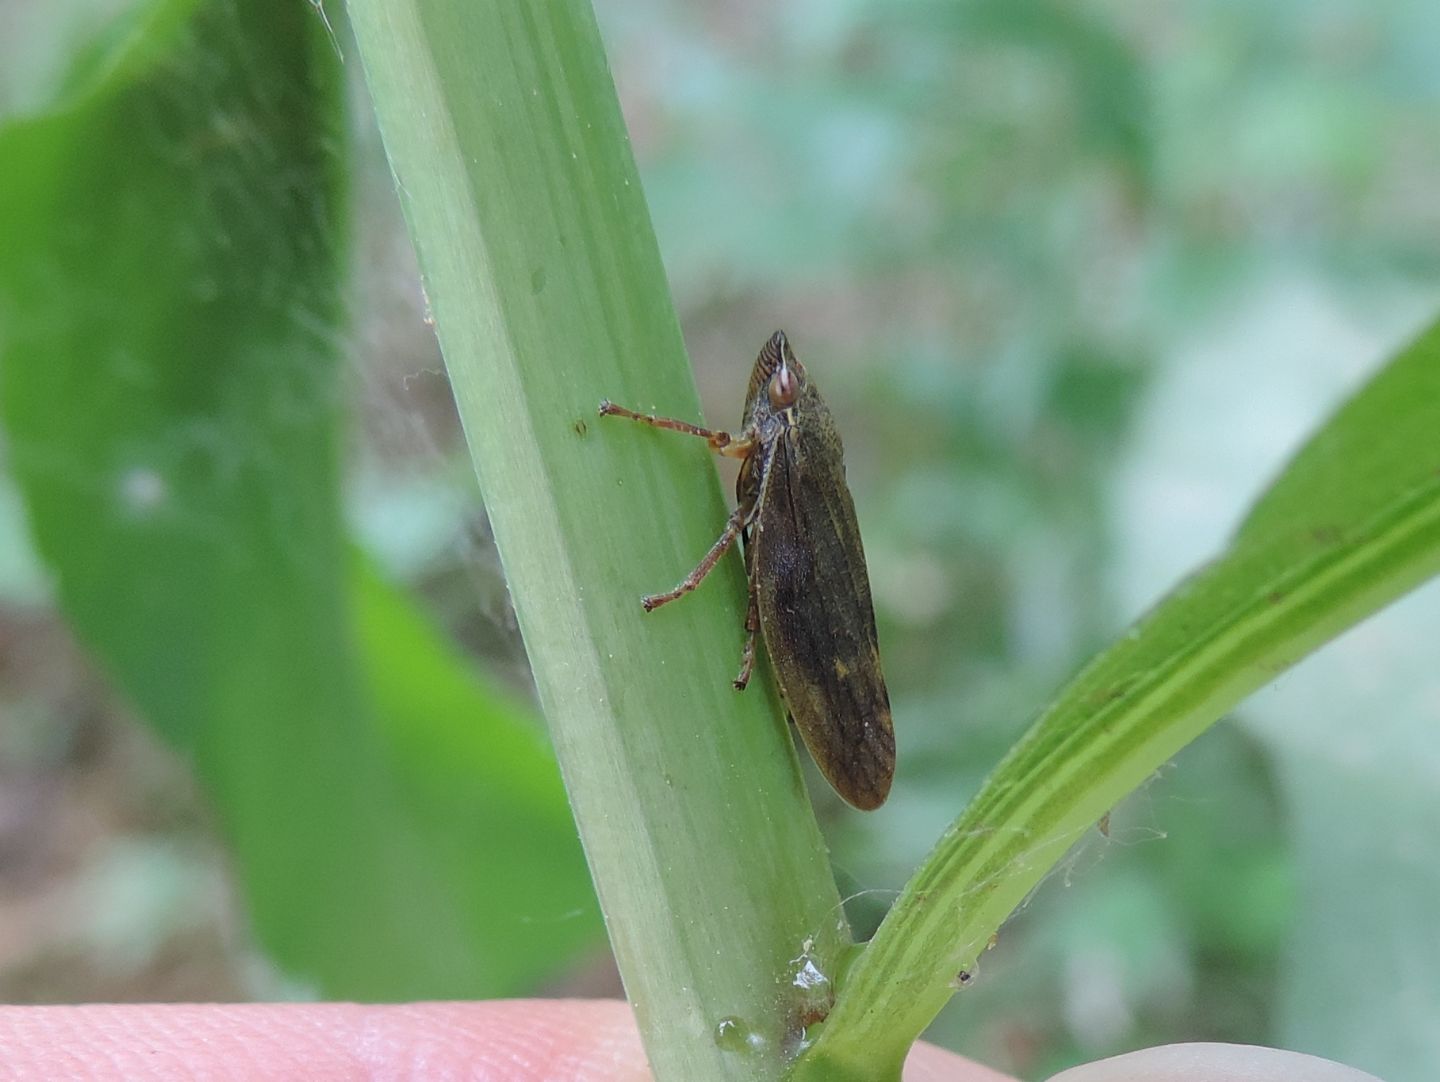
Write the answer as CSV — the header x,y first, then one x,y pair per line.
x,y
747,655
727,444
727,537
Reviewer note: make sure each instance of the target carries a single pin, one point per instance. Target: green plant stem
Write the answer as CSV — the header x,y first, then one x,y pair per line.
x,y
545,282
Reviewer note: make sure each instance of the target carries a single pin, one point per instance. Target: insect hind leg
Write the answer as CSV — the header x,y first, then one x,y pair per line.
x,y
704,567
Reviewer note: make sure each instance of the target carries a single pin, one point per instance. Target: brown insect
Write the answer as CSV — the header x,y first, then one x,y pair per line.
x,y
809,593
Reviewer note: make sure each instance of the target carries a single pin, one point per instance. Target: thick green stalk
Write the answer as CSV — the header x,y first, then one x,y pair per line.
x,y
548,294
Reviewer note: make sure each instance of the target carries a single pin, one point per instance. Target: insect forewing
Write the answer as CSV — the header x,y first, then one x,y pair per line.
x,y
815,609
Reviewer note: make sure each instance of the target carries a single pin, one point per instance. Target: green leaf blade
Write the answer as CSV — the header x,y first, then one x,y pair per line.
x,y
1351,525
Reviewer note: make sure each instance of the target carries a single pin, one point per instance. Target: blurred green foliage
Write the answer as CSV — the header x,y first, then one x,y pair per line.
x,y
1037,253
171,292
995,230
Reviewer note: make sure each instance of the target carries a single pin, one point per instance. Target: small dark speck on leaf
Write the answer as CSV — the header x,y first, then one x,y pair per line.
x,y
581,428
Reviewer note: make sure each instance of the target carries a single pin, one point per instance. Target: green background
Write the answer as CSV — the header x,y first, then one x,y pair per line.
x,y
1075,279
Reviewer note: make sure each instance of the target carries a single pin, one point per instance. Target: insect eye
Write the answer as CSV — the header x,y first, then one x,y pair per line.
x,y
783,388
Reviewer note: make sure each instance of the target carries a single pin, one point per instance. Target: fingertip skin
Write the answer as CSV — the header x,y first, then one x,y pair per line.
x,y
1213,1063
501,1041
498,1041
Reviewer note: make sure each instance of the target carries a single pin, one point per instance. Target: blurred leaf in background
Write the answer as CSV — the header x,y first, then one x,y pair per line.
x,y
1350,735
171,301
1075,278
